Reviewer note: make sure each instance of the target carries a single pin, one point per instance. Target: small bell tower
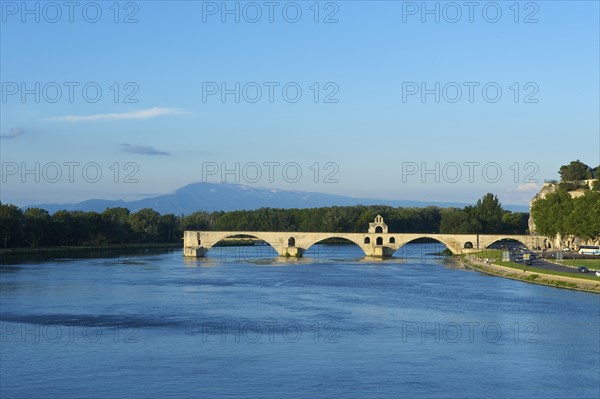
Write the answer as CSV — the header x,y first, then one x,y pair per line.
x,y
378,226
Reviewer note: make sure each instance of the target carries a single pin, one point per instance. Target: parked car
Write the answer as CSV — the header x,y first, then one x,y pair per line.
x,y
583,269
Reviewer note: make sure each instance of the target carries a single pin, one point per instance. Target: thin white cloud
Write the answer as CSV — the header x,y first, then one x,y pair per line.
x,y
144,150
522,194
141,114
528,187
12,133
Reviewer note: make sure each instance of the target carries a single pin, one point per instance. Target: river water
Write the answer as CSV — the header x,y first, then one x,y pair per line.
x,y
245,324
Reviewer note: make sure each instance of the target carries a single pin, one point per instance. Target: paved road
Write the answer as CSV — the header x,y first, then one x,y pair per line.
x,y
543,264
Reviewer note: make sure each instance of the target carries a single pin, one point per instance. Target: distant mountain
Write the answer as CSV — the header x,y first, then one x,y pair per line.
x,y
229,197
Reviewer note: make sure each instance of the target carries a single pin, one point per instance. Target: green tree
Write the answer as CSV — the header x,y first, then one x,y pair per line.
x,y
584,220
145,225
576,170
115,224
37,227
86,229
459,221
515,222
11,225
488,211
197,221
551,213
169,229
334,220
62,227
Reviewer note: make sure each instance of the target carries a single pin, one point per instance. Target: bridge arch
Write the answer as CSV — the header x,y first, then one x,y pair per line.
x,y
453,246
340,236
496,239
254,234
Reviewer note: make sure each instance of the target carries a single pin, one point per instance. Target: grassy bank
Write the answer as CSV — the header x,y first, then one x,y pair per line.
x,y
589,263
517,271
495,257
532,269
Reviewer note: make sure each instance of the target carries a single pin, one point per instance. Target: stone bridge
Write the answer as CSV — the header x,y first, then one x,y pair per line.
x,y
377,242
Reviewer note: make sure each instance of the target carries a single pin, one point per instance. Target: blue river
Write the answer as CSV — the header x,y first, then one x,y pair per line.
x,y
246,324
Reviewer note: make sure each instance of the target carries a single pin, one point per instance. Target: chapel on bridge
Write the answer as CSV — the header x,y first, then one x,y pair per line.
x,y
378,226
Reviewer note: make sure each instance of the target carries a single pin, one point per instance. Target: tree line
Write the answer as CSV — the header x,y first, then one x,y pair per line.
x,y
567,215
35,227
559,213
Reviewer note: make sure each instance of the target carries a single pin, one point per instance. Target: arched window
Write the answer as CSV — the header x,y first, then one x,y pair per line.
x,y
468,244
367,240
392,240
378,229
291,242
379,241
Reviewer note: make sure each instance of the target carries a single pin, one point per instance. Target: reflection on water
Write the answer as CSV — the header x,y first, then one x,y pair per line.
x,y
245,323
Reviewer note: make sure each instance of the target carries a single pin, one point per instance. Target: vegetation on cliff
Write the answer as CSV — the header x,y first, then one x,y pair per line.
x,y
561,212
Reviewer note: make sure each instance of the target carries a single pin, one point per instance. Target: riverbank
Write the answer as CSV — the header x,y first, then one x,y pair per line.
x,y
557,281
80,249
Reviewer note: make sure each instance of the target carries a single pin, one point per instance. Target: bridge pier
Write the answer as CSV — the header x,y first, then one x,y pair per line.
x,y
294,252
194,252
379,251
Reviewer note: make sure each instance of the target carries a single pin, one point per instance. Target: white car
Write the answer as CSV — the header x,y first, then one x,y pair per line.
x,y
598,273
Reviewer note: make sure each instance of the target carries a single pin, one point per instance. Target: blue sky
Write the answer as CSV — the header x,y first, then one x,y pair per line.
x,y
368,125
